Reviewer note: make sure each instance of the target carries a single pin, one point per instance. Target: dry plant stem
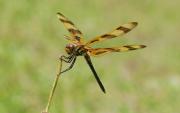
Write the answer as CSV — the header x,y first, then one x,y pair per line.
x,y
53,88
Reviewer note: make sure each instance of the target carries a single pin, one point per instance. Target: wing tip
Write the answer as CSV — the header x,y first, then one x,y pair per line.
x,y
143,46
59,14
135,23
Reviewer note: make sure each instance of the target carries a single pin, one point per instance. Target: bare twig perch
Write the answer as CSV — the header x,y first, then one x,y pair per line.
x,y
53,89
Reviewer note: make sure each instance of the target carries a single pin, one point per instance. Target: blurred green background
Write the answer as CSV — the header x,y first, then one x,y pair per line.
x,y
142,81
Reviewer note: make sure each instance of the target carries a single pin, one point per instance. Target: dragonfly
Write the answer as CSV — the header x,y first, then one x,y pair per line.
x,y
77,47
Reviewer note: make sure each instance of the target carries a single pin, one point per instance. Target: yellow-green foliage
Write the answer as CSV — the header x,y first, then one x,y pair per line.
x,y
142,81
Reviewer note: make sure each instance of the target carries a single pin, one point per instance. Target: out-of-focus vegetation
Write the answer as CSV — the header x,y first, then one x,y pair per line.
x,y
142,81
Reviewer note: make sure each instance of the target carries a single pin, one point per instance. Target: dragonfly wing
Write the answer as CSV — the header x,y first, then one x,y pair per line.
x,y
117,32
98,51
73,30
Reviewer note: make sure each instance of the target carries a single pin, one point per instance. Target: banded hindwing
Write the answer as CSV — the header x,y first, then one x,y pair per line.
x,y
98,51
117,32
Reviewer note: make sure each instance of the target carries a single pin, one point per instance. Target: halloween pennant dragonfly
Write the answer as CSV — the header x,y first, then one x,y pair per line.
x,y
77,47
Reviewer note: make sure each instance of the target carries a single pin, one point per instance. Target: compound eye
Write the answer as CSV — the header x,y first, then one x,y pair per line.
x,y
68,46
71,45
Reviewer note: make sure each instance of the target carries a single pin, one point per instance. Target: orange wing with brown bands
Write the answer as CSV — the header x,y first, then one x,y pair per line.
x,y
98,51
73,30
117,32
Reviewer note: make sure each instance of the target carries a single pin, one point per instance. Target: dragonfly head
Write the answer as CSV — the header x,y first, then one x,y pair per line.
x,y
70,48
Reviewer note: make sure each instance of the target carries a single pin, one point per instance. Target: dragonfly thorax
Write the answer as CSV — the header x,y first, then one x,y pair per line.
x,y
70,48
75,49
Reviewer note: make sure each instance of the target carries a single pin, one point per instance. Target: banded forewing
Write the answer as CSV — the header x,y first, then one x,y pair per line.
x,y
73,30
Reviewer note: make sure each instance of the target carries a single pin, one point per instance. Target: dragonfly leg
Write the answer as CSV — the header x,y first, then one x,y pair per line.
x,y
66,59
72,64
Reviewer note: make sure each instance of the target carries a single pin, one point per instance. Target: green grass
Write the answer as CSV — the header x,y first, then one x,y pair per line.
x,y
143,81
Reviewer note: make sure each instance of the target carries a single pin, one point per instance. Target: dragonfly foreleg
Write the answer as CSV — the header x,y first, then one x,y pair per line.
x,y
66,59
72,64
